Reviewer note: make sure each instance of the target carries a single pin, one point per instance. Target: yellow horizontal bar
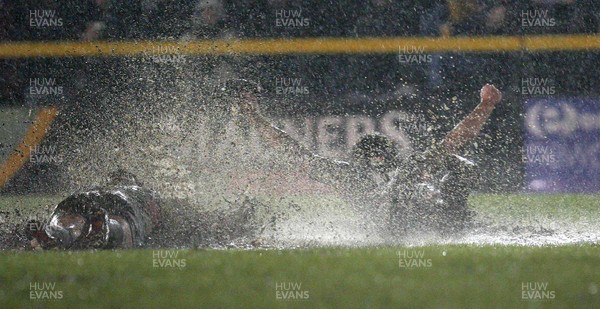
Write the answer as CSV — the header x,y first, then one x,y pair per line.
x,y
303,46
562,43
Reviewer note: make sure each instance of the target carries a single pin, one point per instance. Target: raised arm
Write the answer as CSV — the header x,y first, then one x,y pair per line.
x,y
269,132
469,127
322,169
432,160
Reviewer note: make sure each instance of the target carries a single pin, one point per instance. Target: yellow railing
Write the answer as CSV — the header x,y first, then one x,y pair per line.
x,y
545,43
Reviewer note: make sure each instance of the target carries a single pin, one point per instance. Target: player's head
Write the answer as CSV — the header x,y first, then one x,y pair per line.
x,y
376,151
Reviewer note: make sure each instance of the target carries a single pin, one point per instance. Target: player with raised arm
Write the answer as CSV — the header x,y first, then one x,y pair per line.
x,y
423,189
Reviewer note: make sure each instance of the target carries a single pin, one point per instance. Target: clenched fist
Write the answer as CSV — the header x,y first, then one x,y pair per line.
x,y
491,94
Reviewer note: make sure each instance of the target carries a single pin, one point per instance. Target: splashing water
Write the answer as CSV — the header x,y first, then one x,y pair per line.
x,y
193,147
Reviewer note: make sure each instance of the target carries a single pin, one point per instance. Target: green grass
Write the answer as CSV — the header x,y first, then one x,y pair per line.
x,y
483,277
463,277
552,204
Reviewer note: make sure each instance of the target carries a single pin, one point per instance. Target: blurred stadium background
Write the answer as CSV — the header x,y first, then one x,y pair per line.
x,y
331,70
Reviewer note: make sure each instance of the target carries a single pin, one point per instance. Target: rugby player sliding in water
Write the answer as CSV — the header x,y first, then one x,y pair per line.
x,y
420,190
124,214
119,215
429,188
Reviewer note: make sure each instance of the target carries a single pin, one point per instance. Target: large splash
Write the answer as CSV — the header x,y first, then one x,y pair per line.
x,y
184,139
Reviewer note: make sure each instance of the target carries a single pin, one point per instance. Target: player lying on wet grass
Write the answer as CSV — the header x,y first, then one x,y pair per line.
x,y
124,214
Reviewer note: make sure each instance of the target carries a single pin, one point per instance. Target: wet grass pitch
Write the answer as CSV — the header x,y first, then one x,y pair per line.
x,y
562,275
